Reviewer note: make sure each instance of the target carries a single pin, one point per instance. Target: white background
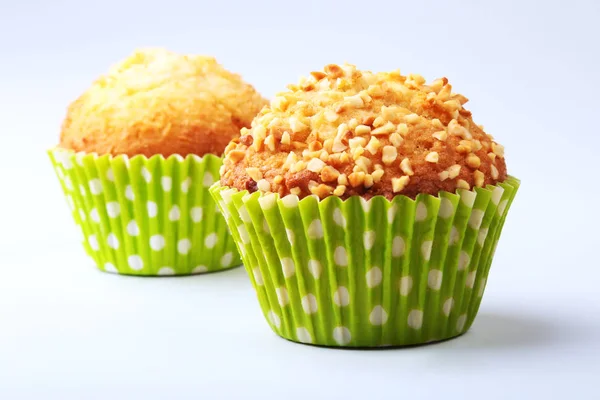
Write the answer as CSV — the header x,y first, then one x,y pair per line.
x,y
68,331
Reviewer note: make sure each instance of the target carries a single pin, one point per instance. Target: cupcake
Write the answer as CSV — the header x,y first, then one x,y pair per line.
x,y
367,208
138,152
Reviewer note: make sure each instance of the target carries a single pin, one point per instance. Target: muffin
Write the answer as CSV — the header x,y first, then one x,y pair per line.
x,y
137,153
367,208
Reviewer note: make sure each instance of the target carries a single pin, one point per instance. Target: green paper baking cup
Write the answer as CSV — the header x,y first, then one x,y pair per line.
x,y
147,216
359,273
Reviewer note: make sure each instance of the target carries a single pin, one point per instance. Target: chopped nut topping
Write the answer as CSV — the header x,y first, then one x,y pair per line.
x,y
263,185
354,101
343,179
318,75
406,167
453,171
473,161
498,149
377,175
329,174
254,173
339,190
322,190
398,184
285,138
492,156
440,135
357,142
334,71
373,145
389,154
396,139
362,130
379,121
236,155
402,129
368,181
432,157
462,184
494,171
479,178
356,178
412,118
315,165
443,175
270,142
278,179
384,130
296,190
331,116
296,125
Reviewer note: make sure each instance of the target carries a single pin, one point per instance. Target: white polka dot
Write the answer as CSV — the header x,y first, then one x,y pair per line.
x,y
110,175
157,242
340,256
309,304
174,213
391,213
267,201
463,260
290,201
434,279
226,195
341,296
60,173
208,179
454,236
152,209
421,212
369,239
482,283
460,322
93,242
366,204
476,219
446,208
468,198
378,316
338,218
315,230
226,259
481,236
244,236
303,335
447,307
398,246
135,262
288,267
415,319
129,195
210,241
314,267
82,190
66,162
109,267
406,284
167,183
290,235
79,158
133,229
502,207
342,335
200,269
68,183
196,214
82,215
113,209
374,276
497,194
266,226
165,271
426,249
112,241
282,296
185,185
95,186
470,281
184,246
146,174
244,216
274,319
70,203
258,278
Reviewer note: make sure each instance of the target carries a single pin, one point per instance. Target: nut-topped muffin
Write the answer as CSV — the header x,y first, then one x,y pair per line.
x,y
138,151
347,132
367,208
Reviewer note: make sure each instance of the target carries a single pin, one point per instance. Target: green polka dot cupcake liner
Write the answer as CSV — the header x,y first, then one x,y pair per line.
x,y
147,216
374,273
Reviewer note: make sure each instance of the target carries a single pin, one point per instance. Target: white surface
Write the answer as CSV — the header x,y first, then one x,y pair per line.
x,y
68,331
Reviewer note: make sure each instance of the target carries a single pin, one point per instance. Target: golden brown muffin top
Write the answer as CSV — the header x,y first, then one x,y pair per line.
x,y
347,132
159,102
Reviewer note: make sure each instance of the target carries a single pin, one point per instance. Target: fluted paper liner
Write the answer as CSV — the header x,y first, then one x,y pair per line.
x,y
368,273
147,216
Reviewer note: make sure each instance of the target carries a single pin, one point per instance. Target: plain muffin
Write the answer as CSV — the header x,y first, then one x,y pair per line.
x,y
346,132
160,102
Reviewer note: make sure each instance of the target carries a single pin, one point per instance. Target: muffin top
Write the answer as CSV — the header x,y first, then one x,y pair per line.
x,y
159,102
346,132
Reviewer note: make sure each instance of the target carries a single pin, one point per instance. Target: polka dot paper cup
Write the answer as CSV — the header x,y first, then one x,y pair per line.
x,y
147,216
371,273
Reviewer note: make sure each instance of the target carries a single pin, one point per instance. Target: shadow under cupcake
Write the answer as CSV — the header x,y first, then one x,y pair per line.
x,y
137,154
367,209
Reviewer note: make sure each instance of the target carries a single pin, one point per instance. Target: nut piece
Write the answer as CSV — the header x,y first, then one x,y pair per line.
x,y
479,178
263,185
473,161
389,154
377,175
296,191
498,149
339,190
462,184
362,130
270,142
285,138
494,172
412,118
356,178
398,184
396,139
343,180
315,165
373,145
440,135
254,173
453,171
406,167
278,179
329,174
443,175
384,130
432,157
236,155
